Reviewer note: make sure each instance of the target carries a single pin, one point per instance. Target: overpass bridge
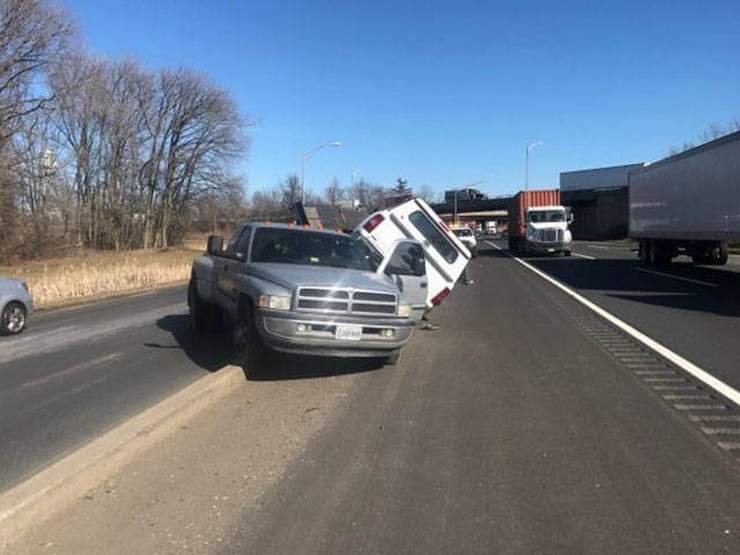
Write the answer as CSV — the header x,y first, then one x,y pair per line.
x,y
475,211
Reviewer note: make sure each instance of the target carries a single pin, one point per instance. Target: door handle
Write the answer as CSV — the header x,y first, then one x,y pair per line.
x,y
423,285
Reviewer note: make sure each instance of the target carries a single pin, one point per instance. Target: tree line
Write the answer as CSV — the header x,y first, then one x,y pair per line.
x,y
278,202
104,154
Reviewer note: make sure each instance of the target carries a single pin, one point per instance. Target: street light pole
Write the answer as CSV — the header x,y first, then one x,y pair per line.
x,y
527,150
304,158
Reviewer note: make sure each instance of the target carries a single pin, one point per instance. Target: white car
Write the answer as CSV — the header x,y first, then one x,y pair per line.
x,y
466,235
445,254
16,306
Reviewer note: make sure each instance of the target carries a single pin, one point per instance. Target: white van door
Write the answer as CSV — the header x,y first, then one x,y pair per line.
x,y
407,267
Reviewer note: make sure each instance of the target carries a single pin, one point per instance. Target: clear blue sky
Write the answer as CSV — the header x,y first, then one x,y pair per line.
x,y
444,93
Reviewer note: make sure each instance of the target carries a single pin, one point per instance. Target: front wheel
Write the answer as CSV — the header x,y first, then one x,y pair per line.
x,y
249,349
200,311
13,318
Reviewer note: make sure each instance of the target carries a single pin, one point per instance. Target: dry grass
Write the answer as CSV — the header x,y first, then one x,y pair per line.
x,y
70,280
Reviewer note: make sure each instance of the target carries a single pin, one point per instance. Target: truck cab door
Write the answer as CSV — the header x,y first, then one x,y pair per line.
x,y
228,267
406,265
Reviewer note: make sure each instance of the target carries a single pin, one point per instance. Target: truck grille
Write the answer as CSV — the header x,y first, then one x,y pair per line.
x,y
347,301
552,235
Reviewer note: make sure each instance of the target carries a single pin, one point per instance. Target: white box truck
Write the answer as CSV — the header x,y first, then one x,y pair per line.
x,y
688,203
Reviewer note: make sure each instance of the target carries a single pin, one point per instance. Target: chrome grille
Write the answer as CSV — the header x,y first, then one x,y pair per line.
x,y
552,235
345,301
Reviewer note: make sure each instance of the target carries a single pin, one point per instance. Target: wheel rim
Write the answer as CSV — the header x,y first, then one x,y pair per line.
x,y
15,319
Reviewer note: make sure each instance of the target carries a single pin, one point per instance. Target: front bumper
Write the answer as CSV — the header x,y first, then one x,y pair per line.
x,y
558,246
279,331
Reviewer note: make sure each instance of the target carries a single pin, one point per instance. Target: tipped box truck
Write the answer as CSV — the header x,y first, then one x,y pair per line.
x,y
688,203
539,223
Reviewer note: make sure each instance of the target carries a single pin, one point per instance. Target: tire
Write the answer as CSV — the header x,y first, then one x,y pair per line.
x,y
474,252
642,250
654,255
13,319
249,349
567,253
719,254
392,360
201,313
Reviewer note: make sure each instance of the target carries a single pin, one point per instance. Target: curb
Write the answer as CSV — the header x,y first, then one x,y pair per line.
x,y
50,490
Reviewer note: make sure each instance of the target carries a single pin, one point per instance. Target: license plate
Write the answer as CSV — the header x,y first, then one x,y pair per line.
x,y
550,250
348,333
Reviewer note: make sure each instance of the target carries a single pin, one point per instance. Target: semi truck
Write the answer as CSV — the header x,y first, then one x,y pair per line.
x,y
688,204
539,223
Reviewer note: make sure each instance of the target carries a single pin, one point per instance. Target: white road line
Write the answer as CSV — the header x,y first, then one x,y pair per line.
x,y
587,257
700,374
681,278
598,247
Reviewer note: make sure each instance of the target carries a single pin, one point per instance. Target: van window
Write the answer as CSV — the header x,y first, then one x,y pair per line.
x,y
407,260
430,232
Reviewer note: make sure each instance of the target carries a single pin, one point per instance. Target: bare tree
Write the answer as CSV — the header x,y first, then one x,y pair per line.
x,y
267,205
427,193
33,35
290,192
713,131
333,192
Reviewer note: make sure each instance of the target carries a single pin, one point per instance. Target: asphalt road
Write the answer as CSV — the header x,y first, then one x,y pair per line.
x,y
514,429
693,310
76,373
524,425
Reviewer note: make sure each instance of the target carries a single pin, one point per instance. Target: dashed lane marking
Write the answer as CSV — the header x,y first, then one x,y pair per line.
x,y
587,257
673,276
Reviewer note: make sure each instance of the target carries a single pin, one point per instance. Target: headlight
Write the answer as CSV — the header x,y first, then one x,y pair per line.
x,y
404,310
274,302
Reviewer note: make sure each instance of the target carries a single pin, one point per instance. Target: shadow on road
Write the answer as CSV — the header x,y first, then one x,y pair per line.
x,y
214,351
629,279
282,366
211,352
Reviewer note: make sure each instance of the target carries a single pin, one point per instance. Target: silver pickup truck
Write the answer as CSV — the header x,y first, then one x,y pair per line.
x,y
308,291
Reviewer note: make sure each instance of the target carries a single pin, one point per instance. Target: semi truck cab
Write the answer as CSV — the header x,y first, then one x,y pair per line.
x,y
547,229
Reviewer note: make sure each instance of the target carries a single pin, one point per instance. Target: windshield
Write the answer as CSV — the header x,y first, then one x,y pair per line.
x,y
463,232
311,248
546,216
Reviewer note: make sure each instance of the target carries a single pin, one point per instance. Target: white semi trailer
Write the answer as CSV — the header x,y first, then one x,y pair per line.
x,y
688,203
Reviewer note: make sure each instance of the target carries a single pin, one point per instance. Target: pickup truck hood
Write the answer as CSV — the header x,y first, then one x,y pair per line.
x,y
291,276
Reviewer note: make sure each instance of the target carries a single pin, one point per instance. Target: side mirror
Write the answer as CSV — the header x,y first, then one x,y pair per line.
x,y
215,244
